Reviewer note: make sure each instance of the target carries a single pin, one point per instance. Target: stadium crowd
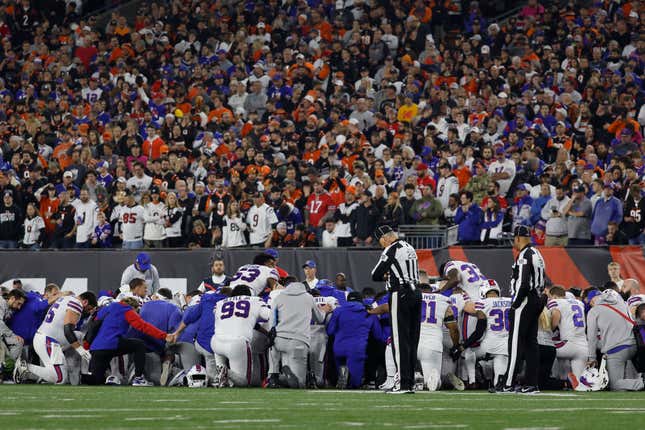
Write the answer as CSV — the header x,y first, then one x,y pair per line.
x,y
263,327
309,123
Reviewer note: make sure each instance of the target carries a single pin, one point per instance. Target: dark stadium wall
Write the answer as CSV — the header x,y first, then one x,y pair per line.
x,y
184,270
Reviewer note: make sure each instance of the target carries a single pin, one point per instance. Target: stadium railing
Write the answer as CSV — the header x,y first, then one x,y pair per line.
x,y
429,236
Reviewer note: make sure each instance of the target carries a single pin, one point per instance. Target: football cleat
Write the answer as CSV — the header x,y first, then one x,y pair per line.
x,y
433,381
221,377
529,389
292,379
343,377
388,384
141,381
19,370
457,383
311,381
400,391
274,381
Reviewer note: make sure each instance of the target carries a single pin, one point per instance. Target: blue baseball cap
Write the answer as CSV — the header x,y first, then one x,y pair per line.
x,y
309,263
324,283
143,261
592,294
272,252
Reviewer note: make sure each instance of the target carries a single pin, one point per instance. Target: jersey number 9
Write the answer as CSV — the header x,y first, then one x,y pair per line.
x,y
239,309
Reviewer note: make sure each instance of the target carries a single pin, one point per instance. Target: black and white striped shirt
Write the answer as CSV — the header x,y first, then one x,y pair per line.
x,y
400,262
528,274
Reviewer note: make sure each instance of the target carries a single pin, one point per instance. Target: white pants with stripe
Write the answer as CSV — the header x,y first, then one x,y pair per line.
x,y
234,353
52,358
576,355
429,359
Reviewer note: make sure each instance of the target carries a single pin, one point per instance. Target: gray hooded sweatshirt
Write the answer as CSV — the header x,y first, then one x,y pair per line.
x,y
606,329
292,312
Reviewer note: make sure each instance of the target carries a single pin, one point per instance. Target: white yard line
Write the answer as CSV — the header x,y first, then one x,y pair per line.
x,y
247,421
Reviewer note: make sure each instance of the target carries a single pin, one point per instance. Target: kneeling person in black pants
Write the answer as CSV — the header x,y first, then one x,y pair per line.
x,y
112,323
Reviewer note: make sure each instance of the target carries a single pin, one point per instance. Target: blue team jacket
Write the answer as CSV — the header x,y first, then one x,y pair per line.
x,y
26,321
161,314
116,319
202,314
351,326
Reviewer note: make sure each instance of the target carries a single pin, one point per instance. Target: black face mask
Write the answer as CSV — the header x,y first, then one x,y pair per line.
x,y
491,192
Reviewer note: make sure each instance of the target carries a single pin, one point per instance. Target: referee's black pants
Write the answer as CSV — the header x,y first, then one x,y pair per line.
x,y
405,311
100,361
522,341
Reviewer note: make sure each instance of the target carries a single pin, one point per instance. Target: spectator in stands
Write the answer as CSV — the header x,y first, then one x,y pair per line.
x,y
540,202
634,216
11,220
492,222
578,212
392,214
329,235
521,208
450,212
554,214
154,231
365,220
502,170
407,200
607,209
427,210
614,235
449,184
479,184
256,112
469,217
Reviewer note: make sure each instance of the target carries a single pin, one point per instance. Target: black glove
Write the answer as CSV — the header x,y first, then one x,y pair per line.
x,y
272,335
455,352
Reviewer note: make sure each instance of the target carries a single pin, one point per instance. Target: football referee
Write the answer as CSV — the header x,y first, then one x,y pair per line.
x,y
399,268
527,286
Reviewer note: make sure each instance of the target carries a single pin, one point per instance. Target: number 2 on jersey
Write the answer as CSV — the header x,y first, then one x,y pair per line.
x,y
578,316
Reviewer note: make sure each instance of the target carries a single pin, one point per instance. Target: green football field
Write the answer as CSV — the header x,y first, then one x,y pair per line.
x,y
65,407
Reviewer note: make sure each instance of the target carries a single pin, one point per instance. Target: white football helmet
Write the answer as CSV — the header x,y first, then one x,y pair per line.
x,y
489,285
104,301
113,380
593,379
196,377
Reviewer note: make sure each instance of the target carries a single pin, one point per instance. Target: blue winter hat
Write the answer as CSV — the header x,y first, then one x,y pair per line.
x,y
143,261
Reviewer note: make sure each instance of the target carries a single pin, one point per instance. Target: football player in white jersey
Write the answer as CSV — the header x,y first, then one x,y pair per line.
x,y
235,319
318,342
495,340
568,319
436,312
55,334
257,276
469,278
458,300
633,302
